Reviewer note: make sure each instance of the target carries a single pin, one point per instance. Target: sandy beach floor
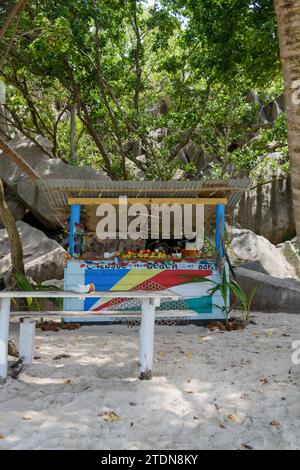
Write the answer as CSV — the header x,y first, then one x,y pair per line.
x,y
211,390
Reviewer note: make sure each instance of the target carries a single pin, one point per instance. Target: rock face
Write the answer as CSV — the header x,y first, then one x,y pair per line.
x,y
273,295
260,255
46,167
268,211
291,254
270,112
44,258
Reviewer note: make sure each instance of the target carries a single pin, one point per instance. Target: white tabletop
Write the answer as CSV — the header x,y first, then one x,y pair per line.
x,y
141,294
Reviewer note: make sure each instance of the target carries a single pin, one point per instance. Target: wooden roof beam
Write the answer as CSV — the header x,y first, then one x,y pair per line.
x,y
147,201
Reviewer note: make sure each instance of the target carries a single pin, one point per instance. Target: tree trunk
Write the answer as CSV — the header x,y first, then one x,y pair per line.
x,y
288,18
13,235
73,153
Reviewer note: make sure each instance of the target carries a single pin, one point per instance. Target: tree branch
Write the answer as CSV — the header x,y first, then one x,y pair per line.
x,y
15,12
138,55
104,97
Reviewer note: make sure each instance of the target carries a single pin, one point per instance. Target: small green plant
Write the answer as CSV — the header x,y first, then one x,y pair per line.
x,y
244,300
24,284
225,287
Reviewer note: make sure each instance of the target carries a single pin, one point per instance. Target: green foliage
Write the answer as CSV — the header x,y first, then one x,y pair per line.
x,y
185,66
244,300
224,287
24,284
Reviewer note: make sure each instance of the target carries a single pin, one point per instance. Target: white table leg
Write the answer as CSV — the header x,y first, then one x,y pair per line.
x,y
4,329
27,340
147,339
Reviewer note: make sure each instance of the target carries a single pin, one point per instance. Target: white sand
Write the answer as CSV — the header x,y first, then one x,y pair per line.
x,y
209,390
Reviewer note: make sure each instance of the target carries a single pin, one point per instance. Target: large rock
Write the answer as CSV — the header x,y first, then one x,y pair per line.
x,y
44,258
134,170
270,112
290,252
267,210
195,154
260,255
272,294
26,191
31,152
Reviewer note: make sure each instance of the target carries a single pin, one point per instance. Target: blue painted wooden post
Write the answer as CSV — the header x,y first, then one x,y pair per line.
x,y
74,219
220,228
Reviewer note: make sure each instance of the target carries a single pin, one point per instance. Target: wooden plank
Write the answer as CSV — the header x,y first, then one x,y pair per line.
x,y
142,294
147,201
104,313
148,190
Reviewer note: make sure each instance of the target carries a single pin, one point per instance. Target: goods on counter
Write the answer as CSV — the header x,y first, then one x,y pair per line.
x,y
84,289
144,254
190,253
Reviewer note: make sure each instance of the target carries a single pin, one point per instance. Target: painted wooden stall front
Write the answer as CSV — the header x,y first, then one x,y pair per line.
x,y
179,276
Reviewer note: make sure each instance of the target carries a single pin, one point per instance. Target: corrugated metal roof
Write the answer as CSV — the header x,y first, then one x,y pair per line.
x,y
58,191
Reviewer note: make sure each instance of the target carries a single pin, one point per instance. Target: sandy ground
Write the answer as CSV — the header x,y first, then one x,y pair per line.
x,y
211,390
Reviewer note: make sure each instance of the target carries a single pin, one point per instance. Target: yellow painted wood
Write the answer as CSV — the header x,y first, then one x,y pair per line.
x,y
147,201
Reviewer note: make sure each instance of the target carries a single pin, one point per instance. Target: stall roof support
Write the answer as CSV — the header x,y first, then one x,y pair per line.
x,y
148,200
220,229
74,219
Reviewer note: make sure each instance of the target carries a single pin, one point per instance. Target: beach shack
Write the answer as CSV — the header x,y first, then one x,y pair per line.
x,y
188,265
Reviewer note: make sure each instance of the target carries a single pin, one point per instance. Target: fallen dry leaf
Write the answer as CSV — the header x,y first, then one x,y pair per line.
x,y
232,417
2,436
61,356
68,382
275,424
264,381
71,326
216,325
110,417
49,325
26,418
247,446
189,356
12,349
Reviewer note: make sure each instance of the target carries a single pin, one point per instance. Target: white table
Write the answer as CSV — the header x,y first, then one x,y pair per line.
x,y
149,300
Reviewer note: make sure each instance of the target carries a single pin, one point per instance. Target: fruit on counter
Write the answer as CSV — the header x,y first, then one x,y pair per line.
x,y
144,254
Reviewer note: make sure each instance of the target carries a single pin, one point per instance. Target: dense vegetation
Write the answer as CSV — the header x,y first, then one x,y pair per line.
x,y
108,81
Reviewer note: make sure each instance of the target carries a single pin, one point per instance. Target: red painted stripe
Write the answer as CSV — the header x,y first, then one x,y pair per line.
x,y
166,279
179,276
